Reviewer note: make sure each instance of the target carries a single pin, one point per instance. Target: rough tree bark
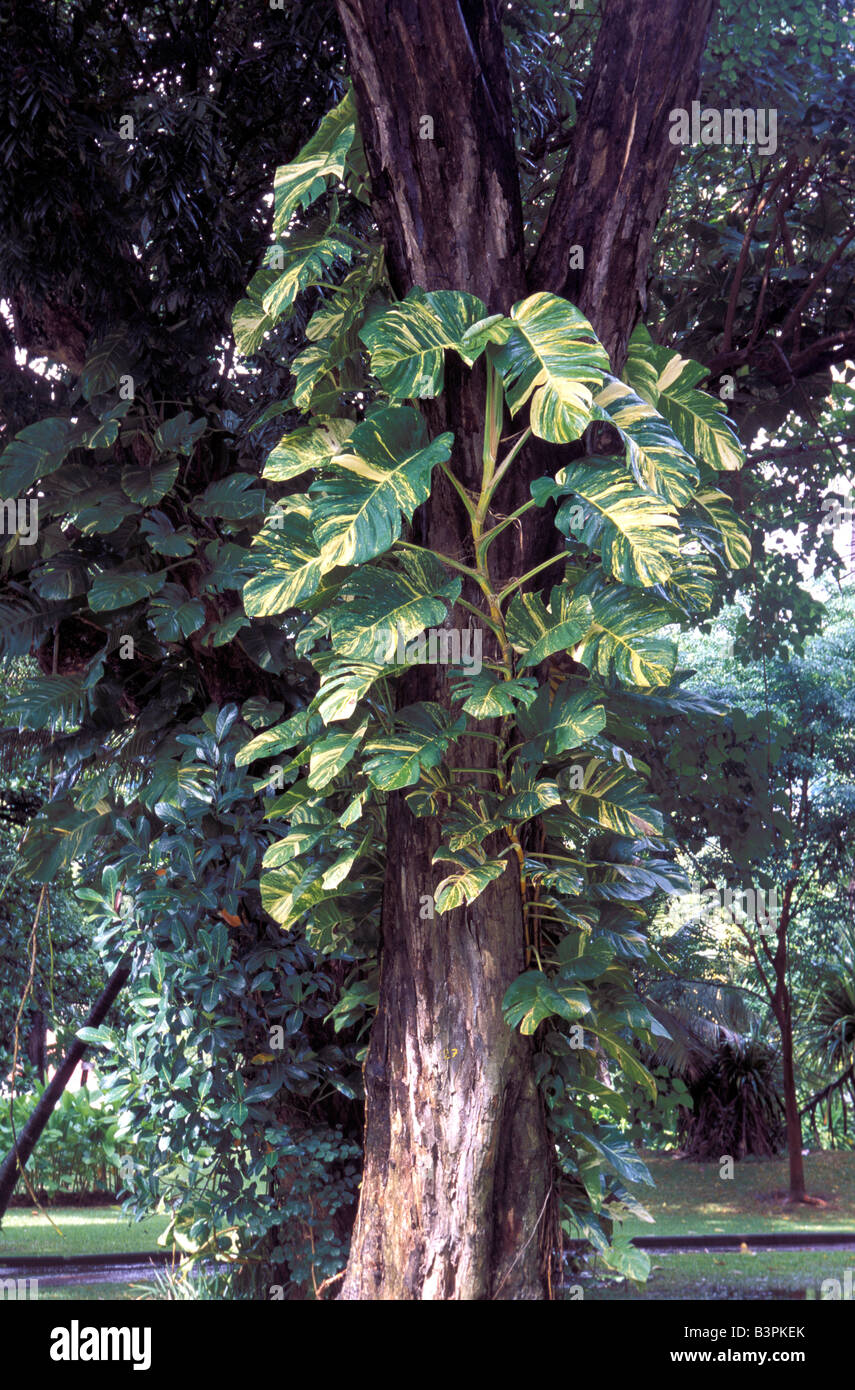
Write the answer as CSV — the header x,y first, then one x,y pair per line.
x,y
455,1200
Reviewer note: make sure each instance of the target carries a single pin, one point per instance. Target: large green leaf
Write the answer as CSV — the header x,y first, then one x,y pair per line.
x,y
622,639
612,798
179,434
289,891
556,725
530,797
290,565
536,631
234,498
719,529
461,889
636,533
306,255
532,998
35,452
378,607
488,695
105,365
669,382
310,446
409,340
343,685
149,485
656,458
250,320
421,735
389,466
552,357
331,755
120,588
272,741
320,162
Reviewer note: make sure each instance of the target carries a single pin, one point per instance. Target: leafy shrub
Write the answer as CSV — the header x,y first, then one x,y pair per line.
x,y
737,1108
80,1149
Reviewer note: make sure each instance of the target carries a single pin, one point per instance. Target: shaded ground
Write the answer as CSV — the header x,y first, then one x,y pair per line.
x,y
692,1199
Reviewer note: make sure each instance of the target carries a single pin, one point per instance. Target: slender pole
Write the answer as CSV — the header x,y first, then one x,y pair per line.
x,y
15,1160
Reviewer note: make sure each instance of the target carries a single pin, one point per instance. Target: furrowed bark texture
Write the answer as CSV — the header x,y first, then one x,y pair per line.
x,y
455,1200
615,183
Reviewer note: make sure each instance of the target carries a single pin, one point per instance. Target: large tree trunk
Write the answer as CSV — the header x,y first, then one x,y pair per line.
x,y
455,1200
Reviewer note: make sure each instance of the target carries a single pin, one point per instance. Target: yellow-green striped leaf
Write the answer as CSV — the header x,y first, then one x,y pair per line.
x,y
389,468
552,358
408,342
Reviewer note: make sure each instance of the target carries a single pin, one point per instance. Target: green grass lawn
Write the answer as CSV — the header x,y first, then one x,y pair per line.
x,y
84,1231
92,1293
714,1275
691,1198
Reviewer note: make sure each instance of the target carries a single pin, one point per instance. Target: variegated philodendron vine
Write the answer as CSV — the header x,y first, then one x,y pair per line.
x,y
642,534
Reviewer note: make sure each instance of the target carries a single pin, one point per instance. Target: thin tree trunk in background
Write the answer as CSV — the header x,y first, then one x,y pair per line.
x,y
791,1109
455,1198
29,1136
37,1043
782,1009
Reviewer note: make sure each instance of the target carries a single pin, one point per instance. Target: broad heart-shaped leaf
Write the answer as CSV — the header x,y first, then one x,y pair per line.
x,y
320,161
173,614
537,631
636,533
378,608
305,255
408,341
120,588
358,517
610,797
691,586
272,741
291,890
556,725
533,997
149,485
553,357
331,755
719,529
289,564
35,451
233,498
250,322
621,639
670,383
489,696
461,889
179,435
342,687
656,458
105,365
421,735
310,446
530,797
